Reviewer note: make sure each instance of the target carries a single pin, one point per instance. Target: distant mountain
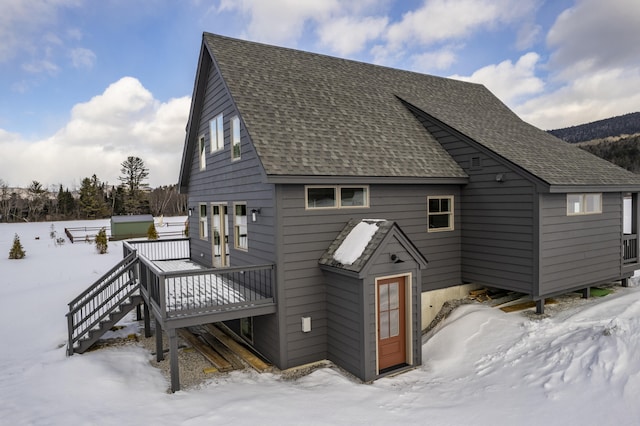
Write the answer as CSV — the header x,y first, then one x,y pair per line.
x,y
628,124
621,150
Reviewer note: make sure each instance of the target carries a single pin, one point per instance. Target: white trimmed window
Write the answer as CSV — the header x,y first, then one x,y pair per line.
x,y
202,153
235,138
203,222
336,197
440,213
578,204
216,133
240,226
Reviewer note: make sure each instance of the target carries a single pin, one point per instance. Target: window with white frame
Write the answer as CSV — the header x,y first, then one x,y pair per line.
x,y
203,222
240,226
235,138
216,133
336,196
578,204
440,213
202,153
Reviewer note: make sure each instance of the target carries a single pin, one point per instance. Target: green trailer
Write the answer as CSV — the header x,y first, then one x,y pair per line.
x,y
133,226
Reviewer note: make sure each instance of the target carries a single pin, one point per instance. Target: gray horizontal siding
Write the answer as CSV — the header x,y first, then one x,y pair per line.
x,y
306,234
497,217
345,342
579,250
226,181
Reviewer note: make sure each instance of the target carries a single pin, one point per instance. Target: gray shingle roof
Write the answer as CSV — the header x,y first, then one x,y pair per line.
x,y
310,114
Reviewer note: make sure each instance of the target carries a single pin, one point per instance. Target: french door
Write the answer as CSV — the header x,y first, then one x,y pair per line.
x,y
220,240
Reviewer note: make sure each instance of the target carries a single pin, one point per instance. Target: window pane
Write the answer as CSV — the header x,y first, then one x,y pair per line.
x,y
241,225
384,297
434,205
573,203
216,133
321,197
394,323
593,203
439,221
384,325
203,158
217,243
235,137
203,221
350,197
445,205
393,296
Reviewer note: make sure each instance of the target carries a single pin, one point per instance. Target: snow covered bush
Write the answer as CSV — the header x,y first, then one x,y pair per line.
x,y
17,251
101,241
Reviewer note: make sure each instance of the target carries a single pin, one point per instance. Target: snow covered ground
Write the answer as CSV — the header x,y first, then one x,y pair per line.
x,y
481,366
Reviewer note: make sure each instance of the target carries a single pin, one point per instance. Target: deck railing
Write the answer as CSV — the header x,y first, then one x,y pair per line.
x,y
181,293
630,248
170,249
98,301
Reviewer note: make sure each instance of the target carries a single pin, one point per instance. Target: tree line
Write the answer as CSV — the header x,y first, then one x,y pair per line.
x,y
627,124
94,199
623,151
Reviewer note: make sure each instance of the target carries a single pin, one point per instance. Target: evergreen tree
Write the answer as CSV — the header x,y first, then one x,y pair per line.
x,y
17,251
152,234
66,203
134,175
92,202
101,241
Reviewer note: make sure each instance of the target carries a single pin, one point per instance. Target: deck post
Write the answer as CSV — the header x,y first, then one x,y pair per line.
x,y
159,350
173,356
147,320
540,306
586,292
625,282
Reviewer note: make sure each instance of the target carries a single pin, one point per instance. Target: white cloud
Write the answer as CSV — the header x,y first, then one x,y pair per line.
x,y
40,66
594,65
528,34
280,21
22,22
124,120
443,20
439,60
595,34
82,58
507,80
348,34
588,98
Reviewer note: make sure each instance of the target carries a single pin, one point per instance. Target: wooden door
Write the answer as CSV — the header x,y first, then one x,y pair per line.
x,y
392,345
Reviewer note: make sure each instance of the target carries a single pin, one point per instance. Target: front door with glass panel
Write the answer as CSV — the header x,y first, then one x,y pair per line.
x,y
220,240
392,345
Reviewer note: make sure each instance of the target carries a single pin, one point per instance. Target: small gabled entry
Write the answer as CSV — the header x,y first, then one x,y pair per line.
x,y
391,320
373,274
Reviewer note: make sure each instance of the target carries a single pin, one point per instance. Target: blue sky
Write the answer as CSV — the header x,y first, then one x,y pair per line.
x,y
86,83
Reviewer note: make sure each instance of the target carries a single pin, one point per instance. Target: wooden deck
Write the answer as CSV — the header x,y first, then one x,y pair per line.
x,y
179,293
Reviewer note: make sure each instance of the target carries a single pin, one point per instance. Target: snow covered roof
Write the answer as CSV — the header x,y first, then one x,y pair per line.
x,y
357,242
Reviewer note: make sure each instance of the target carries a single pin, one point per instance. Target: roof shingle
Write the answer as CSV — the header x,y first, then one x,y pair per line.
x,y
310,114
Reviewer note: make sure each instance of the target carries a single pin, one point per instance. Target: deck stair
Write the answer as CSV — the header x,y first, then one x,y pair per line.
x,y
97,309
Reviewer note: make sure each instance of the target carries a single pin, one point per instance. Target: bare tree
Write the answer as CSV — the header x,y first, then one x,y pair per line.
x,y
5,201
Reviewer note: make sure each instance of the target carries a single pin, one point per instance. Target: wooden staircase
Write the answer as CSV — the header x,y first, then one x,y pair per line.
x,y
97,309
107,324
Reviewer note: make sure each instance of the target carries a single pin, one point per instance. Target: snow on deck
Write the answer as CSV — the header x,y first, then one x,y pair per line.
x,y
203,291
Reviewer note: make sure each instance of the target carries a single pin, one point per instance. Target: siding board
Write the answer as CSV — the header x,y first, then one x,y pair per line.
x,y
227,181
